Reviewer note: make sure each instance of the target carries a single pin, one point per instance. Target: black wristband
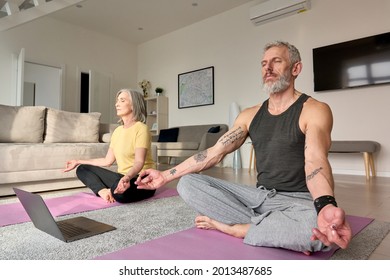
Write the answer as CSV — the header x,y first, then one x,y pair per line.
x,y
322,201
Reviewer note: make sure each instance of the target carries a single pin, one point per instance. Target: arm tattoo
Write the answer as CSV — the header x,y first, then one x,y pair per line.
x,y
232,136
201,156
172,171
313,174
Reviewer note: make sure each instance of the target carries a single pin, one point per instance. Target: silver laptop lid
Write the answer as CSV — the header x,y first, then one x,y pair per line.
x,y
38,212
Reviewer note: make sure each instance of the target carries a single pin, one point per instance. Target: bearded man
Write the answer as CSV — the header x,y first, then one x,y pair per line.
x,y
293,204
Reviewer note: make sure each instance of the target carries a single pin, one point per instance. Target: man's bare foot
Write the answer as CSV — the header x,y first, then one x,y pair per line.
x,y
106,195
204,222
237,230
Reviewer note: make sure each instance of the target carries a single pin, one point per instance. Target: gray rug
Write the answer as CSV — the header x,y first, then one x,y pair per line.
x,y
364,243
137,223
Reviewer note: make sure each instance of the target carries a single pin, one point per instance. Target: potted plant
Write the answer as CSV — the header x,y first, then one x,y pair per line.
x,y
159,91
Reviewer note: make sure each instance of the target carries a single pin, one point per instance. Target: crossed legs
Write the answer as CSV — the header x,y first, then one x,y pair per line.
x,y
262,217
103,182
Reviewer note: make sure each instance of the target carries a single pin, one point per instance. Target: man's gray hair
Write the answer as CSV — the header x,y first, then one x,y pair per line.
x,y
292,50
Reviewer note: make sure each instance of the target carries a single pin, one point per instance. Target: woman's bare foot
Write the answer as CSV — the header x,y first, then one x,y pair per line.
x,y
106,195
237,230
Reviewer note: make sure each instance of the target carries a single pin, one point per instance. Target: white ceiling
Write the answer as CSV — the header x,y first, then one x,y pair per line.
x,y
124,18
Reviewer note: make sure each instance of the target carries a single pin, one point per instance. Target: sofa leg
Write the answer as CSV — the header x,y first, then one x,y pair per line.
x,y
369,165
373,171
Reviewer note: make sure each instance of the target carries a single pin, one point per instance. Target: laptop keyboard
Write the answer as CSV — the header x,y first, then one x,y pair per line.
x,y
70,230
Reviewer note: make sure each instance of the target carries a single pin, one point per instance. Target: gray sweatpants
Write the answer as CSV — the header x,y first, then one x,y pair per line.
x,y
278,219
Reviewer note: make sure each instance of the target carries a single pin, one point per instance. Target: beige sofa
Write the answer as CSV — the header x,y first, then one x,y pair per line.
x,y
35,143
184,141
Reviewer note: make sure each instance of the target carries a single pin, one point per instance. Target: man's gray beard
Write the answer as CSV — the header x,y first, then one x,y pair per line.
x,y
278,86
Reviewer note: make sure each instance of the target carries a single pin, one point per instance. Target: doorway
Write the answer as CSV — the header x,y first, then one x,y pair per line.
x,y
95,92
84,92
42,85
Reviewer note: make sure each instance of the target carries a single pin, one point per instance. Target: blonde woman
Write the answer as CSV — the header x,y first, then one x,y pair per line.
x,y
130,148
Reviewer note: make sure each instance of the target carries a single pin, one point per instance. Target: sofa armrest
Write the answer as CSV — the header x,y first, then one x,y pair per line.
x,y
177,146
105,131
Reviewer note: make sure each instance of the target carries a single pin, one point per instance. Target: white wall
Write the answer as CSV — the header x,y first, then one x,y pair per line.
x,y
51,42
231,44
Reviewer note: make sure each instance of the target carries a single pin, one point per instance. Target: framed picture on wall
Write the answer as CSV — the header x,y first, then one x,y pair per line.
x,y
196,88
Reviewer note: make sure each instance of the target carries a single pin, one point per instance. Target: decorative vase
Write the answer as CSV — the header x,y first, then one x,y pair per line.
x,y
237,160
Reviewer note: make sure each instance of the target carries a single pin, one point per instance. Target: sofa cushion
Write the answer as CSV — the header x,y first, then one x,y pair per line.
x,y
342,146
22,124
168,135
193,133
71,127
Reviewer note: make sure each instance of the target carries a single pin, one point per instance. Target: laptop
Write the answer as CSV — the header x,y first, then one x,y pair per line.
x,y
66,230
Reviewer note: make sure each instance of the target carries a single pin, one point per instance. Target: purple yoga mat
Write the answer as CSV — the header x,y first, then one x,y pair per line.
x,y
197,244
14,213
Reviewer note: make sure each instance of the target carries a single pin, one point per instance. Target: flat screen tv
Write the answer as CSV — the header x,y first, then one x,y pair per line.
x,y
356,63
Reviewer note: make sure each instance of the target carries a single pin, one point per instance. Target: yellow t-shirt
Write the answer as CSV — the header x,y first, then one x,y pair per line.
x,y
124,141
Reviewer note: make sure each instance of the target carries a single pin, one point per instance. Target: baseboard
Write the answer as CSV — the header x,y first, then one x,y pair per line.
x,y
358,172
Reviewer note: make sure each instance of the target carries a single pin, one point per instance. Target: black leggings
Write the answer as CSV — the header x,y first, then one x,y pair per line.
x,y
97,178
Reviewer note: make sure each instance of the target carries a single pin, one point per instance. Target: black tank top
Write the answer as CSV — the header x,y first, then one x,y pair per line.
x,y
279,148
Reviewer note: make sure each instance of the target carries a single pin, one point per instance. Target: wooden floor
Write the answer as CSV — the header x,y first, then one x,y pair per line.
x,y
354,194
